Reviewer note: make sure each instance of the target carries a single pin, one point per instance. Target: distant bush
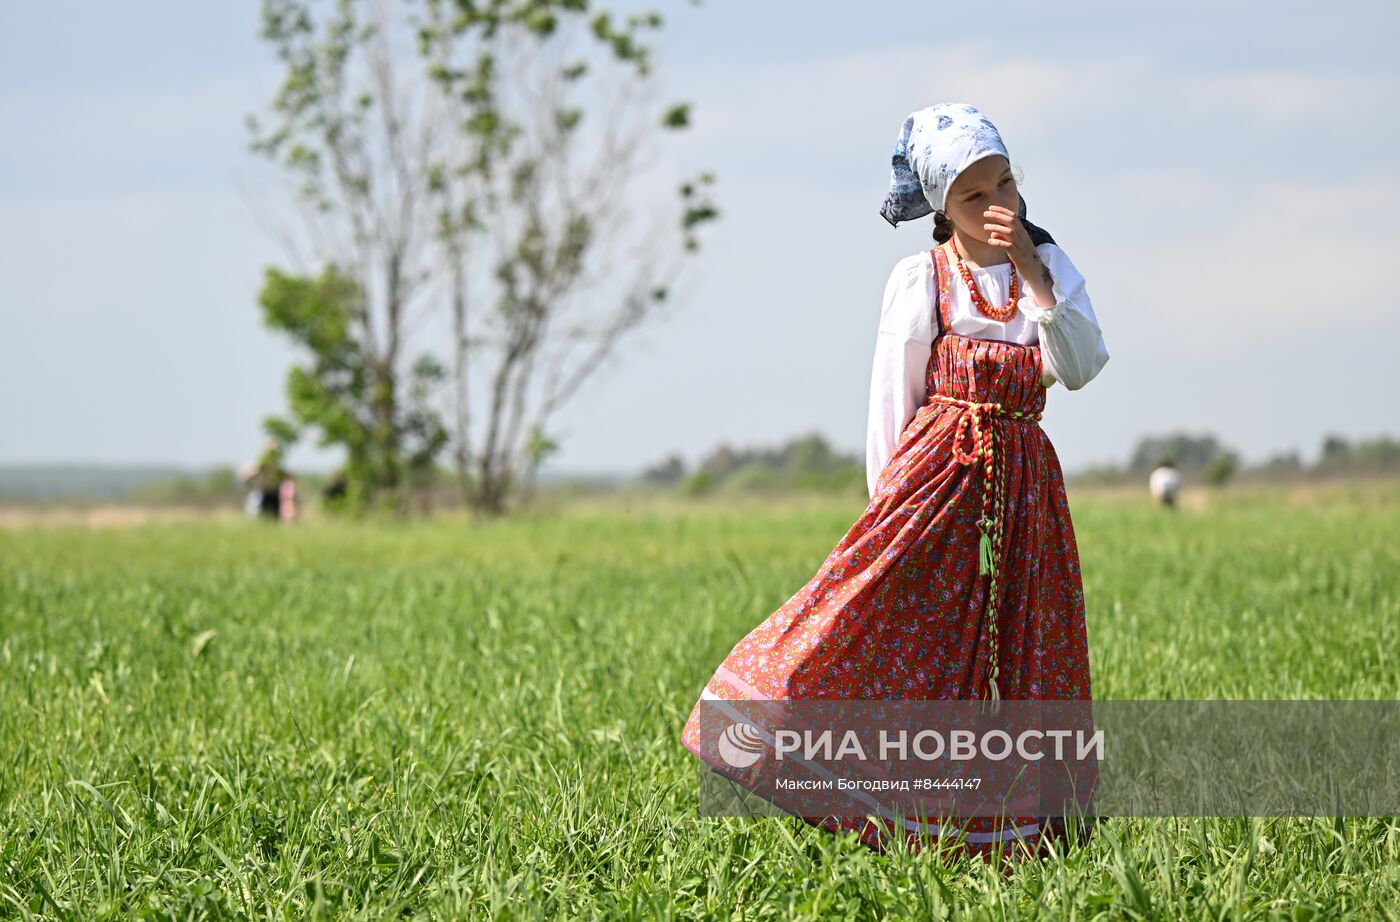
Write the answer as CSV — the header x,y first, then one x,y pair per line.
x,y
1221,468
1381,454
807,463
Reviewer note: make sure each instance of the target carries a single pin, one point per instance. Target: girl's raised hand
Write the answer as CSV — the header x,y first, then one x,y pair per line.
x,y
1008,231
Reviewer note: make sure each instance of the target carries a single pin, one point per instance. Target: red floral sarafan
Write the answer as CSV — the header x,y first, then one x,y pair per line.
x,y
959,581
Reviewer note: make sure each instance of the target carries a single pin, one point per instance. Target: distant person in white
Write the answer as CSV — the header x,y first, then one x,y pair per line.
x,y
248,477
1165,483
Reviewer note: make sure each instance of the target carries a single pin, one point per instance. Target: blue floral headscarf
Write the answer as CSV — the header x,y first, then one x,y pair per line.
x,y
934,146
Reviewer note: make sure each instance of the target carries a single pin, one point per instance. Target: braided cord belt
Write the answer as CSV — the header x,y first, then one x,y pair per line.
x,y
976,421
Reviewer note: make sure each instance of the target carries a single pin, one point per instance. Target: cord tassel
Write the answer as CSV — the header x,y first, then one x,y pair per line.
x,y
995,698
992,703
984,553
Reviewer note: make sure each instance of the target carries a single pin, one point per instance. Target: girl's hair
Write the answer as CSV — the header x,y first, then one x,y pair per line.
x,y
943,228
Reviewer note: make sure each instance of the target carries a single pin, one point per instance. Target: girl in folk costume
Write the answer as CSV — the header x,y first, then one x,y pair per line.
x,y
961,578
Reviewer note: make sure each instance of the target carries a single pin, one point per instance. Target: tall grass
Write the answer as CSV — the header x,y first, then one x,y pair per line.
x,y
220,721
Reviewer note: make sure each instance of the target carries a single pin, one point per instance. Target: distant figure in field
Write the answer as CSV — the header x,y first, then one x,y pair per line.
x,y
248,477
287,499
1165,483
268,481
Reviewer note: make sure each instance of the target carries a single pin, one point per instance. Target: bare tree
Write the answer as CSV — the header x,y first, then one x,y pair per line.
x,y
454,172
572,268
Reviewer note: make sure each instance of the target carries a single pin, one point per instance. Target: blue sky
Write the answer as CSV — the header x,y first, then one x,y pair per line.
x,y
1220,172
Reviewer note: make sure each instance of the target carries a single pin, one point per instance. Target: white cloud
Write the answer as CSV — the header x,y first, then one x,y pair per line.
x,y
1222,219
831,108
1240,260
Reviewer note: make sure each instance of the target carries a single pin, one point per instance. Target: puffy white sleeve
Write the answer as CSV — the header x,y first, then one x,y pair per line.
x,y
1072,346
899,378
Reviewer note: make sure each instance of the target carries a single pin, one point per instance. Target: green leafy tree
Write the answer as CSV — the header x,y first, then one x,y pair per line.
x,y
338,393
448,173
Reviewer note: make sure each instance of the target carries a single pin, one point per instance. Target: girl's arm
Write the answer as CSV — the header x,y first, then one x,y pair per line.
x,y
1072,346
899,377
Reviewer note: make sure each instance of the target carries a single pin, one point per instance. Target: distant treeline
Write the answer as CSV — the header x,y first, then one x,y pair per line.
x,y
809,462
1204,459
114,483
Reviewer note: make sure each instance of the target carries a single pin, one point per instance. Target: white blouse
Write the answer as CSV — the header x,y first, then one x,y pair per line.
x,y
1072,349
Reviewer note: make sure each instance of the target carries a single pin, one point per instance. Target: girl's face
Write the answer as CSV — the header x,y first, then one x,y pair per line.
x,y
984,183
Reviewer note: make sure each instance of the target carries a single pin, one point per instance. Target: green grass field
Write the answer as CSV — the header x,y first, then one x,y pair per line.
x,y
230,720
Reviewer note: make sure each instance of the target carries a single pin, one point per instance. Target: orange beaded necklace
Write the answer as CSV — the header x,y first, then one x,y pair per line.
x,y
1002,313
